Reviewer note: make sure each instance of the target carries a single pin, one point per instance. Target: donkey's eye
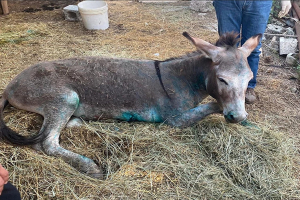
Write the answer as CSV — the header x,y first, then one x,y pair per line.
x,y
223,81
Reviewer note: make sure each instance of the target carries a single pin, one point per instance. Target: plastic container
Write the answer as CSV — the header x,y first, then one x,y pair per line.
x,y
94,14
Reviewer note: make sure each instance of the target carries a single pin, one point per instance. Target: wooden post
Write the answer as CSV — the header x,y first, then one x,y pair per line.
x,y
296,14
4,7
296,8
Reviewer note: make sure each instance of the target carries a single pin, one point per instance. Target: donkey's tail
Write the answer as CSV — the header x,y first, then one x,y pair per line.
x,y
8,135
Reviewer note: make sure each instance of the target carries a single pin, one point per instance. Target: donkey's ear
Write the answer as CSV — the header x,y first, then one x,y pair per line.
x,y
210,50
250,44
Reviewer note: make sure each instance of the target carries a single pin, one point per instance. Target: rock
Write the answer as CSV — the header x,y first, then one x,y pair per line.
x,y
201,6
293,90
291,59
287,45
274,43
272,28
289,31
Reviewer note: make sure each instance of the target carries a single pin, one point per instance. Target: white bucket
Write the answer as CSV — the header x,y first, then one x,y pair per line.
x,y
94,14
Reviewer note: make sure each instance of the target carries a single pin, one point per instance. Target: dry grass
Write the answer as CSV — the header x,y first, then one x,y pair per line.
x,y
212,160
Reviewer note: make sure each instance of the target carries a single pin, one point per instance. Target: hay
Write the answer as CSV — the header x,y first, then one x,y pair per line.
x,y
212,160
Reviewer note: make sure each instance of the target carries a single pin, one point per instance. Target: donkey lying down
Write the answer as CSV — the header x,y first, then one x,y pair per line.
x,y
132,90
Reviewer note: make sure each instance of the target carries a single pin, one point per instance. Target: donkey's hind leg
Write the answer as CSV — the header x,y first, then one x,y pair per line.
x,y
56,116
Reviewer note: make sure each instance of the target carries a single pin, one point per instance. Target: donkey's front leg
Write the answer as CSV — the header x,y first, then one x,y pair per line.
x,y
194,115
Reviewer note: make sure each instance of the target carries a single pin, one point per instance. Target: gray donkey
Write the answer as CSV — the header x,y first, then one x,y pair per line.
x,y
132,90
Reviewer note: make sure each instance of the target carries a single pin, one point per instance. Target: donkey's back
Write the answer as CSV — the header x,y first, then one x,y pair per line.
x,y
101,88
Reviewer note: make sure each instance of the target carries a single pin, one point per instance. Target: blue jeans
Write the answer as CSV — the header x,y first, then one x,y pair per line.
x,y
10,192
246,17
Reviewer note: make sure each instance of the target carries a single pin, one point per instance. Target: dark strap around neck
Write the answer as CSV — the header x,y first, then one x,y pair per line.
x,y
156,64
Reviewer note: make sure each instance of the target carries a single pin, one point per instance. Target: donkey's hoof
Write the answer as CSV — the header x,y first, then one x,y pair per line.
x,y
37,147
94,171
74,122
96,175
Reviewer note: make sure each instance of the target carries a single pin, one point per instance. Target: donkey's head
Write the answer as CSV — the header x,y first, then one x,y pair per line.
x,y
228,76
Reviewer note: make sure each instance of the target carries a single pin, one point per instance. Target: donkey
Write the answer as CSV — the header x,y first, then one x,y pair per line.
x,y
132,90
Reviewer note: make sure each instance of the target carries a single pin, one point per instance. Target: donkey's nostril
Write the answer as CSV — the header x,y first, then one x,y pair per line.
x,y
231,117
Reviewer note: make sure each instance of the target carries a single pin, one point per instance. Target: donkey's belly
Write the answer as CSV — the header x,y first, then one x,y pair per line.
x,y
90,112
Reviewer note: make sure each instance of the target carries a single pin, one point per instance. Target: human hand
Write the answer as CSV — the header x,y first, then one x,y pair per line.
x,y
285,7
3,177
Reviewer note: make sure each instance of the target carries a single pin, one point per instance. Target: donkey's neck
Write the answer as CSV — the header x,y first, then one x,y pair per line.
x,y
192,69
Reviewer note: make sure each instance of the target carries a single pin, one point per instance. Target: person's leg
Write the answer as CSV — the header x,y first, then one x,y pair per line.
x,y
10,192
229,15
254,21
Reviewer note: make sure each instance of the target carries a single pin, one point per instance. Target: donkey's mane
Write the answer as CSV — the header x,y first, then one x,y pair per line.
x,y
229,39
187,55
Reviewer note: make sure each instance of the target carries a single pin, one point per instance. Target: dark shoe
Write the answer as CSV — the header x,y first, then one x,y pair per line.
x,y
250,96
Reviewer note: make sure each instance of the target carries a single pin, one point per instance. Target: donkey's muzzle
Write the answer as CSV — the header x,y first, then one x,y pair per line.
x,y
234,117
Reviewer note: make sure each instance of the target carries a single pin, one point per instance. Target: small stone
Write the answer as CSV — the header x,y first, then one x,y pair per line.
x,y
290,59
293,90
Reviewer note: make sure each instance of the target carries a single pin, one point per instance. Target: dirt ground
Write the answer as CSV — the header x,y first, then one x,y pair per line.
x,y
36,31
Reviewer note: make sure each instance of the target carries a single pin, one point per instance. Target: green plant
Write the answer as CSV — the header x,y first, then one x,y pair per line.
x,y
298,70
276,7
